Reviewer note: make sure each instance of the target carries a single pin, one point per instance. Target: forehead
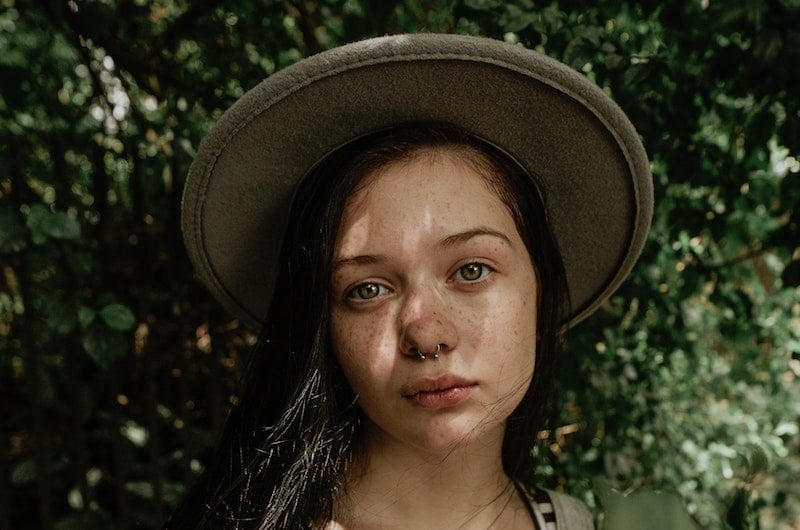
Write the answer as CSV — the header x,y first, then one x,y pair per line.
x,y
434,194
440,163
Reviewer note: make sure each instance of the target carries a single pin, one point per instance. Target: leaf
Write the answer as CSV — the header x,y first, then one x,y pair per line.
x,y
118,317
590,34
61,318
483,5
23,473
646,509
515,19
35,221
86,315
58,225
61,225
186,145
768,45
755,461
103,345
614,60
635,74
605,490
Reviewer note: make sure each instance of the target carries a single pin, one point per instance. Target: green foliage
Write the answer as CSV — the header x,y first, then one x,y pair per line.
x,y
643,509
44,224
13,236
116,367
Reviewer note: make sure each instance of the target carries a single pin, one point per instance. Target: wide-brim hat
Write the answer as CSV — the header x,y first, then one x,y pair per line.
x,y
557,124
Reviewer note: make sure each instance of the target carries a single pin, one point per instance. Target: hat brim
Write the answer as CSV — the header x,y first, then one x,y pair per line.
x,y
560,126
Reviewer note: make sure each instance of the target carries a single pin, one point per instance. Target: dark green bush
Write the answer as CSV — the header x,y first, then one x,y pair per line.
x,y
116,367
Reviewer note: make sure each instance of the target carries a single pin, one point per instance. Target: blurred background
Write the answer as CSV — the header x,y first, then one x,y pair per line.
x,y
117,367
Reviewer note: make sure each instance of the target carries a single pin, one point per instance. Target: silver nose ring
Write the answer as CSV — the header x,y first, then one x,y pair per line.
x,y
435,353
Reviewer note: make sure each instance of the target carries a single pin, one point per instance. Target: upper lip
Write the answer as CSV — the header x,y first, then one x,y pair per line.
x,y
434,384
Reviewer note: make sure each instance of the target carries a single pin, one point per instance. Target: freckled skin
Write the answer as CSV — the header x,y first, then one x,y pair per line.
x,y
394,237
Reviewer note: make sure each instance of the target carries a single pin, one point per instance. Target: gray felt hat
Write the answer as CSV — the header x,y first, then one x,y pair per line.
x,y
551,119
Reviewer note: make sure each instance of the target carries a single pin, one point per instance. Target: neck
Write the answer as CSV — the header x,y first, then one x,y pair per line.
x,y
394,485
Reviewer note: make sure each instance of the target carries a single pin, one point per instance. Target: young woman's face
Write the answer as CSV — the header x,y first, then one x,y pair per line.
x,y
427,254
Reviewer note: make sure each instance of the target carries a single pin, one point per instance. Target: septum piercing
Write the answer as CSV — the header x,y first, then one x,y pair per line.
x,y
422,355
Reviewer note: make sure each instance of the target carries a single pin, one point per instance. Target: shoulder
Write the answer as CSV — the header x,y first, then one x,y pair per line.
x,y
571,513
554,510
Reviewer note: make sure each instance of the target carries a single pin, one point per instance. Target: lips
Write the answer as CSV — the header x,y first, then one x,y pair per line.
x,y
438,392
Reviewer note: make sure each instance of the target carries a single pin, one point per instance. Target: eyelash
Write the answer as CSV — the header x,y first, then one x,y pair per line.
x,y
353,294
484,271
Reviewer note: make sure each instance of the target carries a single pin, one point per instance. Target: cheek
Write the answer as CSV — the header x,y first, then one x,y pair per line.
x,y
513,332
344,339
515,366
358,347
508,319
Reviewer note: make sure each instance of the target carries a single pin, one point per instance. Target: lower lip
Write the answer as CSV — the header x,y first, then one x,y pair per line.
x,y
439,399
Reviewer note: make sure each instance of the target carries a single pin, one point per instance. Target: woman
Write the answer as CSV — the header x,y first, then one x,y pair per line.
x,y
455,203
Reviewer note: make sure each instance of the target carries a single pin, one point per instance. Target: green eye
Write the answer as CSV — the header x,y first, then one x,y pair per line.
x,y
471,271
365,291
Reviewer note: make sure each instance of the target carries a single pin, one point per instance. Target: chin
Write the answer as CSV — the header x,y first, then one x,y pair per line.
x,y
447,437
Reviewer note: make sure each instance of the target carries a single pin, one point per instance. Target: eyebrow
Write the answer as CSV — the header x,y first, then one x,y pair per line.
x,y
462,237
449,241
367,259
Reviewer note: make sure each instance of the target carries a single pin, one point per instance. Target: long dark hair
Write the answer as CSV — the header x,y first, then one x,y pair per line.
x,y
295,428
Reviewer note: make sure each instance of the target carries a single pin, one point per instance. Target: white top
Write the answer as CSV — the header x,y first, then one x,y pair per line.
x,y
556,511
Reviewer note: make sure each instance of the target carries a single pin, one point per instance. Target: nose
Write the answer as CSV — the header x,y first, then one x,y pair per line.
x,y
426,326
